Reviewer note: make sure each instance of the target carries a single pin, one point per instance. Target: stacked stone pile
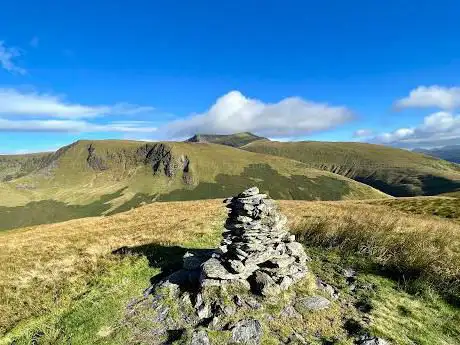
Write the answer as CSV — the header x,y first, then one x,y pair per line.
x,y
257,248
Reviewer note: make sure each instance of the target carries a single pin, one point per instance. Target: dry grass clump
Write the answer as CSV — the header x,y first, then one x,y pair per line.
x,y
414,248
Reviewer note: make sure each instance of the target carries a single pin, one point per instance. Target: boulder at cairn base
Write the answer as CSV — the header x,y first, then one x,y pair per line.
x,y
256,247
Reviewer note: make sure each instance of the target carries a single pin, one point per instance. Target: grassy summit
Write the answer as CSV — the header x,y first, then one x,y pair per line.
x,y
394,171
86,273
90,178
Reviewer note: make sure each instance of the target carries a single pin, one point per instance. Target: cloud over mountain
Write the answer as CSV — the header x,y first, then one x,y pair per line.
x,y
235,112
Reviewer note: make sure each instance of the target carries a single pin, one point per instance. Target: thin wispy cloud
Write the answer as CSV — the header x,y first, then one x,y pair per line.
x,y
7,59
14,102
73,126
235,112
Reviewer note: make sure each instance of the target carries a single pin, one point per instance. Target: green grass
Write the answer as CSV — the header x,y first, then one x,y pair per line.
x,y
394,171
396,315
95,315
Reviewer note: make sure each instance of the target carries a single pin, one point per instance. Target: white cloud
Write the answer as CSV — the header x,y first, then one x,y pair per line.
x,y
234,112
13,102
436,129
431,96
363,133
7,56
77,126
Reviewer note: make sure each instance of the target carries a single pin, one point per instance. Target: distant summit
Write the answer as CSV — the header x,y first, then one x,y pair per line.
x,y
449,153
234,140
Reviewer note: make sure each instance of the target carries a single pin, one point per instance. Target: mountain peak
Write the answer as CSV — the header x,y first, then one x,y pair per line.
x,y
235,140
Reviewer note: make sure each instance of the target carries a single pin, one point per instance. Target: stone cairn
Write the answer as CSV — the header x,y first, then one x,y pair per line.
x,y
257,249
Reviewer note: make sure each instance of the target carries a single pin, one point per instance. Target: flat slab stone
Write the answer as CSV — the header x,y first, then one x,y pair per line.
x,y
314,303
214,269
247,332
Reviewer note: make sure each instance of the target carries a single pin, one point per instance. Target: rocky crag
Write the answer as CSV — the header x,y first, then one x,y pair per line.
x,y
256,278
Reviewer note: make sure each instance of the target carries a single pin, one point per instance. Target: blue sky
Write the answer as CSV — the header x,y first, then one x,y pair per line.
x,y
378,71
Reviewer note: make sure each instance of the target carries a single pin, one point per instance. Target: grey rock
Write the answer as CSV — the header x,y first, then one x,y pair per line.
x,y
330,290
289,312
161,314
296,338
200,337
263,284
286,283
252,303
213,268
297,250
211,282
204,311
238,300
236,266
281,262
247,332
308,304
370,340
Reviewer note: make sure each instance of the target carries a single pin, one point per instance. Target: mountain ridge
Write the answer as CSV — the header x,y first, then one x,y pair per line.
x,y
90,178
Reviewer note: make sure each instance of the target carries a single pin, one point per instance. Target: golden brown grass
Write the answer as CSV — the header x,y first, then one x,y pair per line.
x,y
418,247
46,267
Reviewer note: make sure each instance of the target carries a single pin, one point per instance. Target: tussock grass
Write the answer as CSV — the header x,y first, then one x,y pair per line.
x,y
419,250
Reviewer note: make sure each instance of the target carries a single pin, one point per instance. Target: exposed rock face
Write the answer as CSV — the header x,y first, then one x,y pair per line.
x,y
160,157
95,162
256,247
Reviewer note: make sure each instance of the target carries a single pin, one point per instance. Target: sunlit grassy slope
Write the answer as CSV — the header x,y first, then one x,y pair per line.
x,y
394,171
67,282
117,176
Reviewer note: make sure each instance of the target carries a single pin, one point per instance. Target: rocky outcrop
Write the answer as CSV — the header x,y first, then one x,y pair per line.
x,y
162,160
95,162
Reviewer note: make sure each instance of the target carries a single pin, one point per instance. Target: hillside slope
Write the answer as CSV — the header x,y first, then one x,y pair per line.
x,y
393,171
90,178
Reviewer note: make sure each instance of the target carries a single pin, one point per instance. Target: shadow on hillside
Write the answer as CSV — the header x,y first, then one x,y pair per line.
x,y
412,184
167,259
